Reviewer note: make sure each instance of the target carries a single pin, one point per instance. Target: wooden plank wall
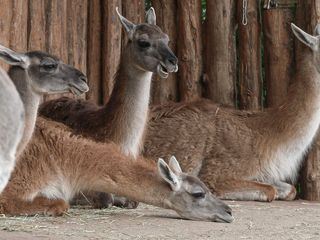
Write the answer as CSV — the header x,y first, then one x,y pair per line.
x,y
220,57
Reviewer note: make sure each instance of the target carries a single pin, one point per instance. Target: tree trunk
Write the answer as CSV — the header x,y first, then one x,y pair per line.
x,y
220,55
189,49
249,55
308,15
278,53
13,26
94,51
111,45
56,34
165,90
77,34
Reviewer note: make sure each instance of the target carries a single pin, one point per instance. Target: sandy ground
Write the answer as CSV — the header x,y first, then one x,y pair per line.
x,y
254,220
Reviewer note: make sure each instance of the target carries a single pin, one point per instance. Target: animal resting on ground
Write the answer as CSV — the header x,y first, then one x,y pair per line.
x,y
125,115
56,164
240,155
48,76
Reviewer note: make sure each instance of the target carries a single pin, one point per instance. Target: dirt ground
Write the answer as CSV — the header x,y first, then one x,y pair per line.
x,y
254,220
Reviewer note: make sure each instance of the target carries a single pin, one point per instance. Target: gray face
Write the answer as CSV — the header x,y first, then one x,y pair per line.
x,y
50,75
149,46
150,50
194,201
190,197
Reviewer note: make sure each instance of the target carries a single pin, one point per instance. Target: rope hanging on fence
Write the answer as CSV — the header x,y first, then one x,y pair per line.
x,y
245,12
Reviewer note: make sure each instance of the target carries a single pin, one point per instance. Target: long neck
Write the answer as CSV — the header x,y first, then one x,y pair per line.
x,y
301,110
127,110
30,100
139,181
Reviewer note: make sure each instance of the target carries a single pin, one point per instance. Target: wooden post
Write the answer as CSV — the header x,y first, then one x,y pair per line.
x,y
94,51
77,20
308,15
13,24
278,53
56,34
111,45
37,25
249,55
189,49
164,90
220,54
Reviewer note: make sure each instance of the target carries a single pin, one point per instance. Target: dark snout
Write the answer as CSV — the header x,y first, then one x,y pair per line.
x,y
79,83
169,62
224,213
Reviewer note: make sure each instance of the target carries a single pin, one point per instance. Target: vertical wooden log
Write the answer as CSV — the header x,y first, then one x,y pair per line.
x,y
77,17
308,15
94,51
111,45
189,49
37,25
278,54
220,55
249,55
56,34
18,26
164,90
13,25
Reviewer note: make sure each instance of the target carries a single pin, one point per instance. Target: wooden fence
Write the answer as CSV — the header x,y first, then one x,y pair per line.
x,y
235,52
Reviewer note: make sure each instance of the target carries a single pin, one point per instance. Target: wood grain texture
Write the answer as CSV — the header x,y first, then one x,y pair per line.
x,y
189,49
249,51
111,45
13,25
166,90
220,54
278,53
94,55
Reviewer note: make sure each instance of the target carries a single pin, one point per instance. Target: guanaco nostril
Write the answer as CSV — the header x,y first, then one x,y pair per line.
x,y
173,61
84,78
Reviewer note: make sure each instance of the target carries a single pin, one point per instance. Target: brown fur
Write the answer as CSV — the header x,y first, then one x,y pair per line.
x,y
57,164
233,151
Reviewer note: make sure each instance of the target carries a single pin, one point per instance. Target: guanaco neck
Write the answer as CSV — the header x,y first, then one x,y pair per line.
x,y
141,182
290,128
126,113
31,101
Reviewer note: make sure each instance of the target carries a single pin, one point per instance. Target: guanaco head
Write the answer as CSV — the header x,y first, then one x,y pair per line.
x,y
149,46
311,41
190,197
47,74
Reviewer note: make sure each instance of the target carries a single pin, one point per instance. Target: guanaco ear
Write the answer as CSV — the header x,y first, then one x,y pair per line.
x,y
317,30
13,58
309,40
151,16
168,175
174,165
128,26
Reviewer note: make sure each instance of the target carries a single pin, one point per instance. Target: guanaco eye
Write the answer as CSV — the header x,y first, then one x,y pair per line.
x,y
49,66
198,194
144,44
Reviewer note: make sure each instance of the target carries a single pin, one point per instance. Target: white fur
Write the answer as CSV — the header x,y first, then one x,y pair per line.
x,y
137,108
287,157
245,196
60,188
